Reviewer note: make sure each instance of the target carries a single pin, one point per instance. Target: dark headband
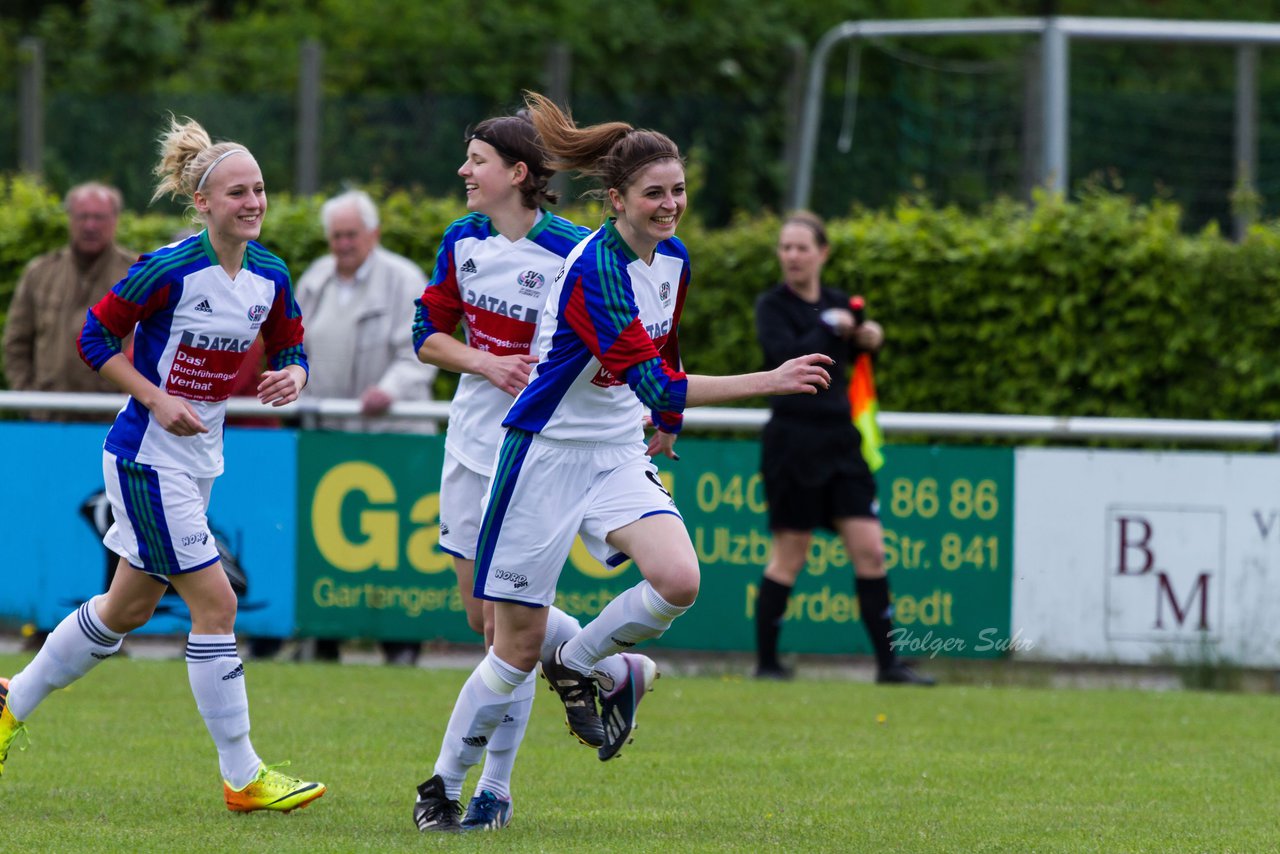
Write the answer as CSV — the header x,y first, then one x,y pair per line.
x,y
507,153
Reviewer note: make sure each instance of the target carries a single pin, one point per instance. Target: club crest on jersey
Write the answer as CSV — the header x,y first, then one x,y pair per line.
x,y
530,281
664,293
257,312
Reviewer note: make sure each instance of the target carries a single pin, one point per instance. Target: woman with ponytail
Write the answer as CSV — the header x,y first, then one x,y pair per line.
x,y
493,271
574,460
195,307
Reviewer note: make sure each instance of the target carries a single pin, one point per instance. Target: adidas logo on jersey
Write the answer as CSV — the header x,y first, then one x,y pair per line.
x,y
204,306
468,266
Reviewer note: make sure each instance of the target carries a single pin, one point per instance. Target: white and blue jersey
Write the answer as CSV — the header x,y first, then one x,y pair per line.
x,y
607,345
497,288
192,325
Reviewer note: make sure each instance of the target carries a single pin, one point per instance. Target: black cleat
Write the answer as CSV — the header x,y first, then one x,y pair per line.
x,y
776,673
900,673
434,810
578,693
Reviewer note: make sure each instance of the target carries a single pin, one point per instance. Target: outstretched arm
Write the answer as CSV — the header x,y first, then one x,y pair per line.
x,y
802,375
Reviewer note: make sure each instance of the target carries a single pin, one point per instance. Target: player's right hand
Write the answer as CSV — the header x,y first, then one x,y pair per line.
x,y
176,416
510,373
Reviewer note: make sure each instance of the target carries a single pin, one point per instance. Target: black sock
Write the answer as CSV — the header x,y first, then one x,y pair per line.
x,y
771,607
877,616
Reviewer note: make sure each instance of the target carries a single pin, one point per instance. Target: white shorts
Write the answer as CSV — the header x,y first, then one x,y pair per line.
x,y
462,493
160,523
545,492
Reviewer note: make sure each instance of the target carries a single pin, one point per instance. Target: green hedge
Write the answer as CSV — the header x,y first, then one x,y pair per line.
x,y
1096,306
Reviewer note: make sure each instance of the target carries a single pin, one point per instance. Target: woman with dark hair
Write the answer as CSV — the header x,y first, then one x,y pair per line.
x,y
492,275
811,458
574,460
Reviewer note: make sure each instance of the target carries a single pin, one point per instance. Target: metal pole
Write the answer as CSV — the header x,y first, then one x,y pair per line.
x,y
307,179
1054,71
803,184
31,107
1245,195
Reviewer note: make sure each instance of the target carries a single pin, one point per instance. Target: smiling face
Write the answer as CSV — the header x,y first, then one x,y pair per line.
x,y
234,199
651,207
800,256
489,182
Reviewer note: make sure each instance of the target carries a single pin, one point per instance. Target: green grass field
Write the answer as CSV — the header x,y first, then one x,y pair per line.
x,y
121,762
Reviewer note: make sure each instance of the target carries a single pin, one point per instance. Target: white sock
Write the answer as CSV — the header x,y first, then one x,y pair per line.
x,y
481,705
79,644
560,628
638,614
217,681
500,758
610,671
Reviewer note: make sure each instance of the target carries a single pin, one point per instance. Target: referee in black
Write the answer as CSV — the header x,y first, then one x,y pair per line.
x,y
811,456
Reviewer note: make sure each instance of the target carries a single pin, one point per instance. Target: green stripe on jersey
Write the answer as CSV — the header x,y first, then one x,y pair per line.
x,y
612,286
155,270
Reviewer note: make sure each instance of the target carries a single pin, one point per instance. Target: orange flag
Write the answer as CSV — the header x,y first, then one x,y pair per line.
x,y
866,411
862,399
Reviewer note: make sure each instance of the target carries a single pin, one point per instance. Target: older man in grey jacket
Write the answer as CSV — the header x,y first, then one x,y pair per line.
x,y
357,306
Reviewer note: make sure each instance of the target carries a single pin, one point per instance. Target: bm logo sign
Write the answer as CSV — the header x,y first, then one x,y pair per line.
x,y
1165,573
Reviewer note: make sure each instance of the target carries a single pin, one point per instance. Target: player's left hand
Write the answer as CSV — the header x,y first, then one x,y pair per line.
x,y
801,375
662,443
280,387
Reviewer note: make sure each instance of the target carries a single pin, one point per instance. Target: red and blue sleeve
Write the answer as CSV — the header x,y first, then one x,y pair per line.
x,y
601,309
137,296
282,331
440,307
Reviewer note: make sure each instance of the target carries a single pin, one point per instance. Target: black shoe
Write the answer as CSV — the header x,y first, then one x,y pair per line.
x,y
776,673
403,654
578,693
900,673
434,811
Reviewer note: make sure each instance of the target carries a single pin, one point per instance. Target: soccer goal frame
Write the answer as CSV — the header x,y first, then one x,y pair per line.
x,y
1056,34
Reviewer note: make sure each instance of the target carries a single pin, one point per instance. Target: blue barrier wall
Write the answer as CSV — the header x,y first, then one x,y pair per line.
x,y
56,560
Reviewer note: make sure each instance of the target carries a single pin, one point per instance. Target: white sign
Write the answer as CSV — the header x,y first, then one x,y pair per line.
x,y
1139,557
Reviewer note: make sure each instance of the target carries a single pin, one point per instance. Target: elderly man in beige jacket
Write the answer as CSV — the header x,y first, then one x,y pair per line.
x,y
357,303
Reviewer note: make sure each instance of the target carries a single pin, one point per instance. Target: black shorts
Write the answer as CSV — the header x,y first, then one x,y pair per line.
x,y
814,474
800,507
